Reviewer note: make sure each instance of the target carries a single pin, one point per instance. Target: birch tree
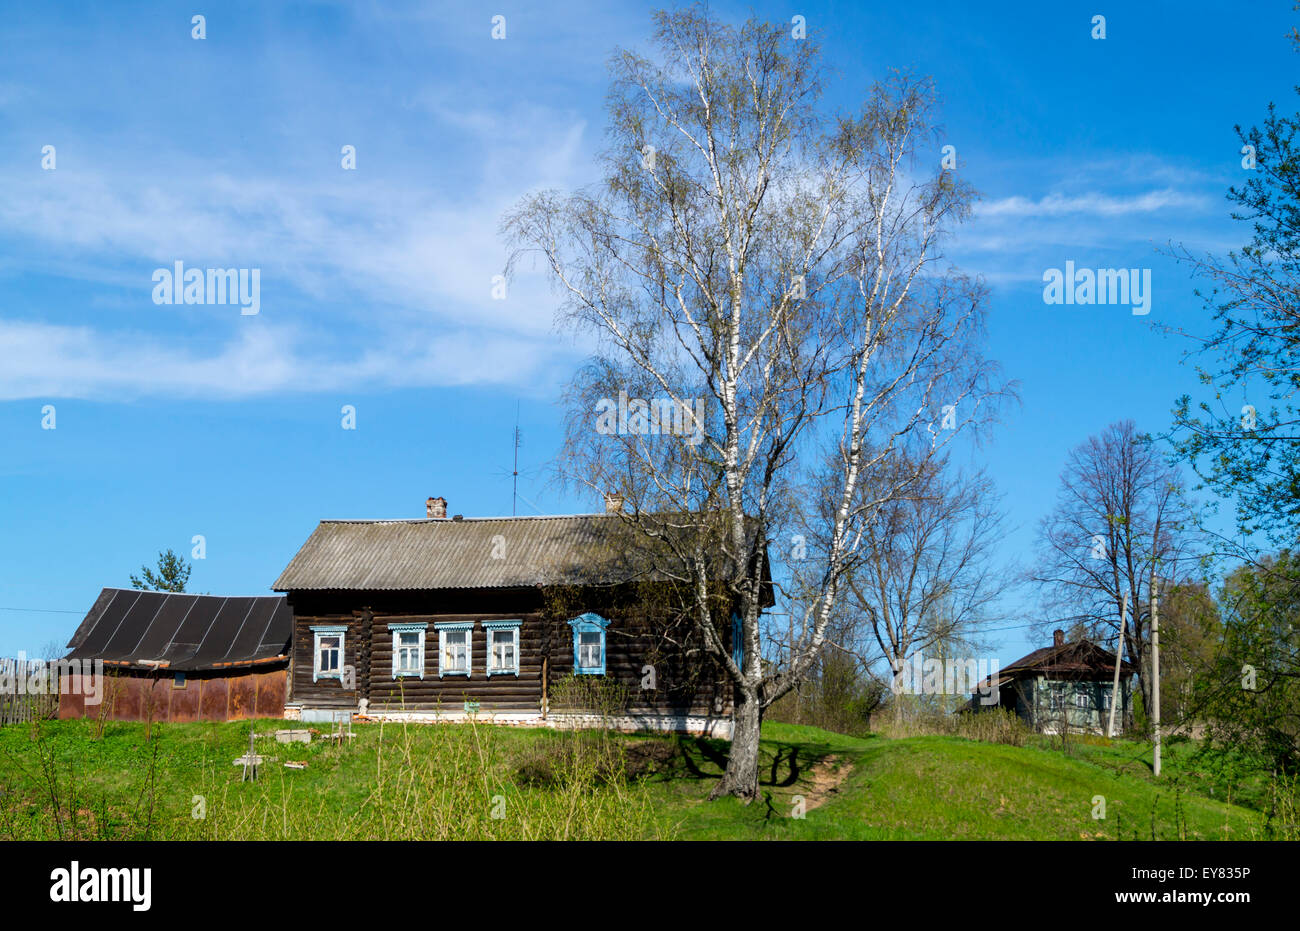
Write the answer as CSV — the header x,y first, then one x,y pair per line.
x,y
761,281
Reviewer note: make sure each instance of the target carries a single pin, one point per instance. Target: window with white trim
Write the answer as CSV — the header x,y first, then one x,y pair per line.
x,y
327,652
589,644
455,642
408,649
502,647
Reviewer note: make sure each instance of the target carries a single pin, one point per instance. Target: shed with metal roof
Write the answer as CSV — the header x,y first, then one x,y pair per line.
x,y
179,656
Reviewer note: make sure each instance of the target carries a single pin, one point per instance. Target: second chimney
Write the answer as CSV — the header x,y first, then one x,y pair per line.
x,y
436,508
613,503
1058,638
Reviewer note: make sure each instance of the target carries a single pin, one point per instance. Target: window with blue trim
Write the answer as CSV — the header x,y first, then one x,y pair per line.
x,y
408,649
502,647
455,642
327,652
589,644
737,641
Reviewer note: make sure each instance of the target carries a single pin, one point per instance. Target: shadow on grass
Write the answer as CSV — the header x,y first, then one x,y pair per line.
x,y
781,764
784,764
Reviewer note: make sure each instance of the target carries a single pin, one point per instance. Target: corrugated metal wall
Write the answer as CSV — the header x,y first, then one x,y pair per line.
x,y
204,697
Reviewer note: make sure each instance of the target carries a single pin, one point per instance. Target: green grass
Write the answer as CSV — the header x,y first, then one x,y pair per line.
x,y
58,781
461,781
931,788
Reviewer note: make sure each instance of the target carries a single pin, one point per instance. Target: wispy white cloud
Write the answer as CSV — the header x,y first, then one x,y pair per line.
x,y
1122,209
363,266
386,242
1093,203
53,361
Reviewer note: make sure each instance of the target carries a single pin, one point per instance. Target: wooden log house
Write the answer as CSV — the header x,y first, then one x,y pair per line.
x,y
1068,686
530,620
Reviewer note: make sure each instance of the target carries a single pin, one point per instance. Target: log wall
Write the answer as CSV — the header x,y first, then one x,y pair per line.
x,y
686,680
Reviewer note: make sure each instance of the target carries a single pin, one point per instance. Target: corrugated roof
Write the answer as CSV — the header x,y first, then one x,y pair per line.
x,y
1080,656
492,552
182,632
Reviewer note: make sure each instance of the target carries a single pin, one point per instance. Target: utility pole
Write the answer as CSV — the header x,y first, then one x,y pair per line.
x,y
1155,668
1119,655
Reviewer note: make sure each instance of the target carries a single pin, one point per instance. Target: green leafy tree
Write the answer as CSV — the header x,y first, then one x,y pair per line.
x,y
1190,634
1243,436
172,575
1251,696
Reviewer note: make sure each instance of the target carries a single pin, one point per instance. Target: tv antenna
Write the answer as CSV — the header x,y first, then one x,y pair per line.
x,y
514,495
515,472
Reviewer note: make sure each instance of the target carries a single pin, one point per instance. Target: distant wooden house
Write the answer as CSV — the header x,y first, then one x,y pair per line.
x,y
527,620
1066,685
179,657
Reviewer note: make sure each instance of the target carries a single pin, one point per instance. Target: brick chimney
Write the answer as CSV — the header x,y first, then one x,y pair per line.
x,y
613,503
436,508
1058,638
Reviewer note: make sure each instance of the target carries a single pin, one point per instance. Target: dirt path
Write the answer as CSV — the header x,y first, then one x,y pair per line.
x,y
825,779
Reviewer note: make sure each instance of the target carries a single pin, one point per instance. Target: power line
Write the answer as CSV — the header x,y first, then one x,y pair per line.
x,y
41,610
977,630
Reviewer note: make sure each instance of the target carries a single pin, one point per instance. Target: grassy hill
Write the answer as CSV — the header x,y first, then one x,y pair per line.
x,y
63,779
928,788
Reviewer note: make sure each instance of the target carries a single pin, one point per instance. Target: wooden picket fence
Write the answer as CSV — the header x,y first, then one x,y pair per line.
x,y
17,704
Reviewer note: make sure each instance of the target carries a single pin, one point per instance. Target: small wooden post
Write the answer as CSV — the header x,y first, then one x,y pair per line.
x,y
545,676
250,761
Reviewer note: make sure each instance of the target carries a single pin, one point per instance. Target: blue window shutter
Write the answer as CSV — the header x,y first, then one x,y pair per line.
x,y
588,623
737,647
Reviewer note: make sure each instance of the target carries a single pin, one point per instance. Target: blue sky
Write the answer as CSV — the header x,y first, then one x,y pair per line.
x,y
173,421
